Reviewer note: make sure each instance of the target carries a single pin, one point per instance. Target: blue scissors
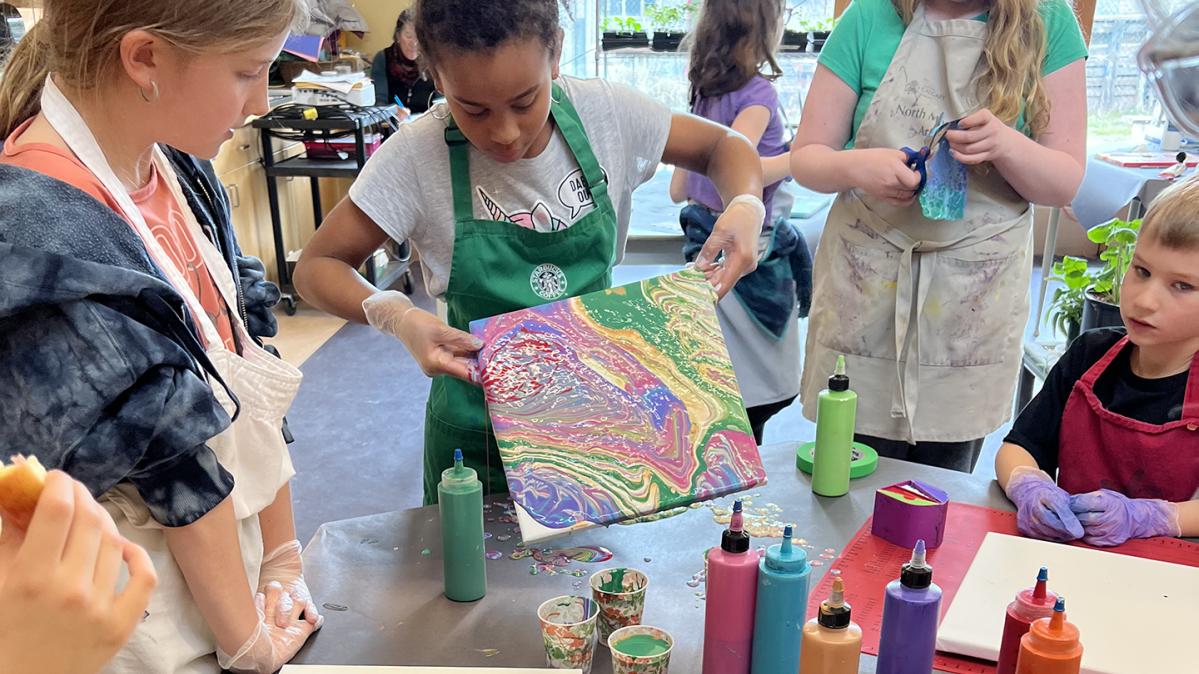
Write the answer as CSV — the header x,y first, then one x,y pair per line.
x,y
917,160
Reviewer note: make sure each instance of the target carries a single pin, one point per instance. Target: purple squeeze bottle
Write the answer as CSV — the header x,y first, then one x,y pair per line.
x,y
732,594
910,614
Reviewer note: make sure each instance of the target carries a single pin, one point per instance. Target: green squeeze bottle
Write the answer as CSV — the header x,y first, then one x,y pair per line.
x,y
460,501
836,412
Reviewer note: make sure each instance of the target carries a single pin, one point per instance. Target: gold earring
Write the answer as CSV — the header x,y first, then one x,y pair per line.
x,y
154,92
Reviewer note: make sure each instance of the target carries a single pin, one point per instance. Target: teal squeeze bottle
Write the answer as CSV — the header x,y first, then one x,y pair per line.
x,y
779,615
836,416
460,501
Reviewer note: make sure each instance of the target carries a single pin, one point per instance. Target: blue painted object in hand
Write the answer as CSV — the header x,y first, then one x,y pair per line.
x,y
943,179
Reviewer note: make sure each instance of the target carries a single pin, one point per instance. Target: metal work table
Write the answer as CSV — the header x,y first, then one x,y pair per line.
x,y
386,571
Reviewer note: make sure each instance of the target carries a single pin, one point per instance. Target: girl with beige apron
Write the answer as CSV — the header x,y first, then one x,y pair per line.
x,y
929,314
174,636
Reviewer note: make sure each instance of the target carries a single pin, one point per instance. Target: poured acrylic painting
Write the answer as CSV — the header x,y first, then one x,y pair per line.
x,y
616,405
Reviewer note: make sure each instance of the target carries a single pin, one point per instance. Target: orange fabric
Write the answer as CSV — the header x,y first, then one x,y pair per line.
x,y
162,212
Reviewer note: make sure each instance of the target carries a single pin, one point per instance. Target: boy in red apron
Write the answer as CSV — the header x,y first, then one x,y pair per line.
x,y
1118,417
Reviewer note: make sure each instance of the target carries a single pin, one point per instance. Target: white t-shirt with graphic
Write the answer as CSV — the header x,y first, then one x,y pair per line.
x,y
405,187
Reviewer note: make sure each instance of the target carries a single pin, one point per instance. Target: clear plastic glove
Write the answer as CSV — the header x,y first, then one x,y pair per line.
x,y
270,646
437,348
731,250
1042,507
281,580
1110,518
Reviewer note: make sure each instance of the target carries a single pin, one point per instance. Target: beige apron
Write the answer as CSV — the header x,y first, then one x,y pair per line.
x,y
175,638
929,314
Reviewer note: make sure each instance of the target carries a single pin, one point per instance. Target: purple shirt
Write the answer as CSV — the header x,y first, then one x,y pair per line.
x,y
723,110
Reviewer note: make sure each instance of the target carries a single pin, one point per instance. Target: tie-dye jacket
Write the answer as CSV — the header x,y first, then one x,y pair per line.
x,y
100,372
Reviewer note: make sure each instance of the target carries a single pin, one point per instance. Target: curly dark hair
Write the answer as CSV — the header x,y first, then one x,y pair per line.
x,y
733,41
483,25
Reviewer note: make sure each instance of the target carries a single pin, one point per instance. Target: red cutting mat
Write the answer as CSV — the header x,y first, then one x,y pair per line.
x,y
867,564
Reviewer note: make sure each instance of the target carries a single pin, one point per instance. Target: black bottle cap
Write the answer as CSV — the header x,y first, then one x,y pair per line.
x,y
916,577
838,382
834,617
734,541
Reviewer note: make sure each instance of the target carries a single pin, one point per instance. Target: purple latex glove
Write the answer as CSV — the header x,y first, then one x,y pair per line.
x,y
1110,518
1042,507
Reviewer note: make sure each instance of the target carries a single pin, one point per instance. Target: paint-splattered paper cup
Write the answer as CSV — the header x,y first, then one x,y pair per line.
x,y
568,629
640,649
620,593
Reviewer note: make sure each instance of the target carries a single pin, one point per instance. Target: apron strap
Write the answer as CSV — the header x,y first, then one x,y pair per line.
x,y
1190,405
1093,373
460,172
566,118
177,327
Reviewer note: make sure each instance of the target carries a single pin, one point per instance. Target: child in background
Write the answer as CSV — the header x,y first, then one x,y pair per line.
x,y
1118,417
932,312
733,43
516,191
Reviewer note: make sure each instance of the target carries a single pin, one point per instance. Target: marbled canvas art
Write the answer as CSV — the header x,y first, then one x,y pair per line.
x,y
616,405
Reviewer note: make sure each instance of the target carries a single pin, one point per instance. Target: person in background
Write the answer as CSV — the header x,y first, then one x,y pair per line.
x,y
929,308
61,611
732,71
397,70
127,357
1116,420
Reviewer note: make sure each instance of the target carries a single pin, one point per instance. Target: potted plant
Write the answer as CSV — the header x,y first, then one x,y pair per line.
x,y
1065,311
1102,305
795,36
820,32
1090,298
669,21
622,33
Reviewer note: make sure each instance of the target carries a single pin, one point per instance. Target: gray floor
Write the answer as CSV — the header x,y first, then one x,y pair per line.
x,y
358,418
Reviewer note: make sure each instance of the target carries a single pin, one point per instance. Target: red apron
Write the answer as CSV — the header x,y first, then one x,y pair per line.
x,y
1100,449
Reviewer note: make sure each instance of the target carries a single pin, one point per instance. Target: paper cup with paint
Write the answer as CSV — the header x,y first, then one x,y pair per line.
x,y
620,593
568,629
640,649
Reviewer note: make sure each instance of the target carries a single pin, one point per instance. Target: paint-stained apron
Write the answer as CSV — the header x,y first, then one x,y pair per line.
x,y
500,267
174,638
1099,449
929,314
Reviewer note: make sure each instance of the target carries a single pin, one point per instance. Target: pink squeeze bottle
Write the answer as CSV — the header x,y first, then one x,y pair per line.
x,y
732,591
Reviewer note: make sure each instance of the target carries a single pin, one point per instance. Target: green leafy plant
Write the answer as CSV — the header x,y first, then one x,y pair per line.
x,y
668,17
1066,308
1118,238
626,25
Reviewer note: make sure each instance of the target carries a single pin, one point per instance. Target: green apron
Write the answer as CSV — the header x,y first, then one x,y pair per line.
x,y
500,267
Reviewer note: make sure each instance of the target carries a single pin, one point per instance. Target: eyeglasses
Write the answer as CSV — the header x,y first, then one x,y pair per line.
x,y
1170,57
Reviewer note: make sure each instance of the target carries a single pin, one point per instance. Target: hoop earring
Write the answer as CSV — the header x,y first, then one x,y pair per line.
x,y
154,92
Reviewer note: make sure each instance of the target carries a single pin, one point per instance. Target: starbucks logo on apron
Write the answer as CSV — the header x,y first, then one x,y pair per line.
x,y
548,281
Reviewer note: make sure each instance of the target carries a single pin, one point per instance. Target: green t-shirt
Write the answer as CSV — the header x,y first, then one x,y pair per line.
x,y
868,34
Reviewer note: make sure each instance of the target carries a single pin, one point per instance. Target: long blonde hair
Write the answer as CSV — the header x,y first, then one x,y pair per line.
x,y
79,40
1011,82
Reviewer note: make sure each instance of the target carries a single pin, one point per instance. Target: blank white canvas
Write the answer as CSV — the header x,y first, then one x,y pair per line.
x,y
354,669
1134,615
349,669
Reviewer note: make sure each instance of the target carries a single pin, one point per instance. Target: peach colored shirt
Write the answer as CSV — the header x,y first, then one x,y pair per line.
x,y
158,206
